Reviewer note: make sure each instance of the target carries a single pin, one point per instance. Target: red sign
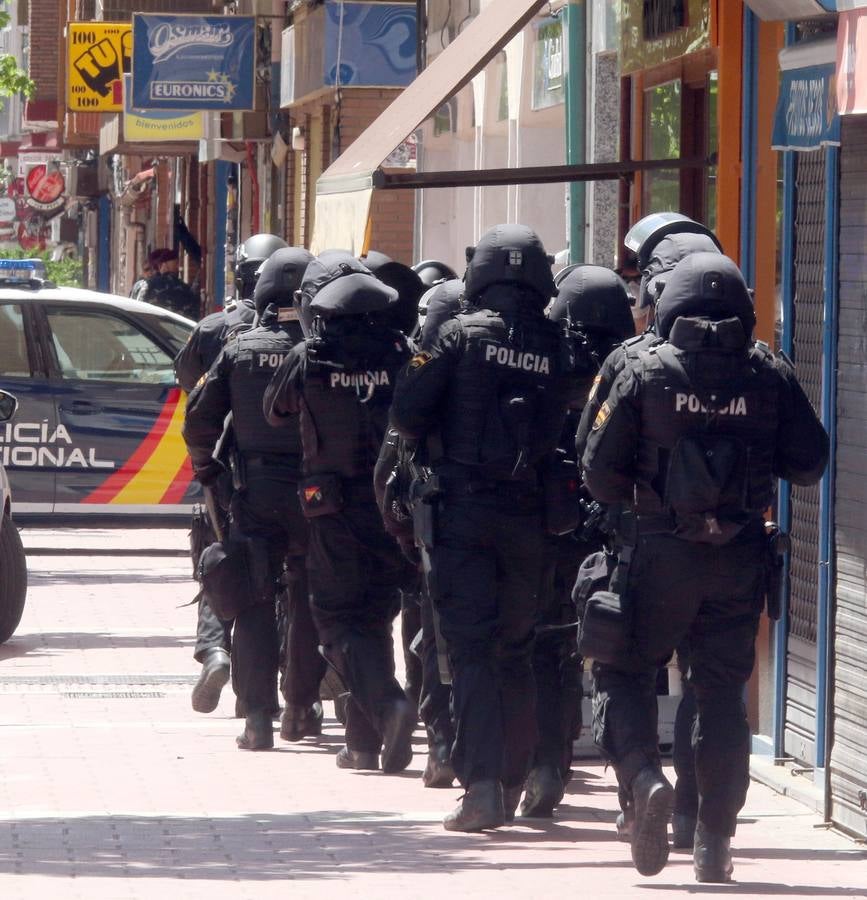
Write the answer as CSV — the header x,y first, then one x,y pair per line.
x,y
45,188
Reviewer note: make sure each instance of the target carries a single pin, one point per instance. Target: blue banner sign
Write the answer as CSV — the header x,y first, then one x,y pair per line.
x,y
193,62
807,116
370,44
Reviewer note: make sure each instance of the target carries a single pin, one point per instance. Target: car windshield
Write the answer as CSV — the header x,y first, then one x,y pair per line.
x,y
175,333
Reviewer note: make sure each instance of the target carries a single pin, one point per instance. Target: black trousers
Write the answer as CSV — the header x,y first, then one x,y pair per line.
x,y
210,632
356,570
487,567
683,757
435,702
712,597
268,508
556,664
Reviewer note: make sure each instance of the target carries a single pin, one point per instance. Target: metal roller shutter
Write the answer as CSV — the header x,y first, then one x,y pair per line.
x,y
848,775
800,727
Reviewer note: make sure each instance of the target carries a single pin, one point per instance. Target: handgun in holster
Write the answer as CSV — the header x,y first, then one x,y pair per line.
x,y
776,571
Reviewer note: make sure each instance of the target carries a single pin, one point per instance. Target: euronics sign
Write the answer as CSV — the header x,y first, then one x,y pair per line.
x,y
98,56
189,62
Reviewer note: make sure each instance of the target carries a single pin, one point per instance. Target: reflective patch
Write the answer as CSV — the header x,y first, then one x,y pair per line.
x,y
602,416
202,380
419,360
596,382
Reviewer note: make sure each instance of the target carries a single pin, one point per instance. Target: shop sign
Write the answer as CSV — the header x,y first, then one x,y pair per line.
x,y
148,125
45,188
642,18
549,86
852,62
806,117
372,44
98,56
189,62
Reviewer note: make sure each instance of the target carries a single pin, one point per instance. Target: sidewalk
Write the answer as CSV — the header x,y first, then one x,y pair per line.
x,y
112,787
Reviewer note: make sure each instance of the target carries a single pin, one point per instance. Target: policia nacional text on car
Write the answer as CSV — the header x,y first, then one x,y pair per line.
x,y
492,392
689,443
265,514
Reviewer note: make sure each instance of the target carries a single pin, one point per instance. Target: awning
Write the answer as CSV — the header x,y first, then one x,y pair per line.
x,y
353,172
806,117
779,10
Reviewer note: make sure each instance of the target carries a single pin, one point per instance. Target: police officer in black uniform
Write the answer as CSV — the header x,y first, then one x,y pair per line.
x,y
691,439
400,463
593,307
265,504
213,637
339,383
658,242
492,391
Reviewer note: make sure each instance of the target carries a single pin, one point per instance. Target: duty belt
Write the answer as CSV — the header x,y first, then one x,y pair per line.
x,y
479,486
272,462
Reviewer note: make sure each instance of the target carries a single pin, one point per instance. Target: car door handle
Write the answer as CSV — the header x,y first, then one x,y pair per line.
x,y
81,408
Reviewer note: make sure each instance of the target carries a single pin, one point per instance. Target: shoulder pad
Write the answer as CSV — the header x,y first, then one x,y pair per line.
x,y
633,340
761,352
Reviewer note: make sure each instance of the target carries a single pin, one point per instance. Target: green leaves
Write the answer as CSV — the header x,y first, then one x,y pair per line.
x,y
13,79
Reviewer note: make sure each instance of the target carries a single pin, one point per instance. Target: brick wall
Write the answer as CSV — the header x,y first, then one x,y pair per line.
x,y
46,43
392,213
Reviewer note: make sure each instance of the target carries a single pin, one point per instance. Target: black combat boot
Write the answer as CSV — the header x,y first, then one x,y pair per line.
x,y
358,759
653,796
712,857
299,722
511,799
258,732
398,724
543,791
438,773
682,831
212,680
481,807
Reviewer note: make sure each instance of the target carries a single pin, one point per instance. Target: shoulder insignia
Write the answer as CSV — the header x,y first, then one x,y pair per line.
x,y
420,359
594,388
202,380
601,416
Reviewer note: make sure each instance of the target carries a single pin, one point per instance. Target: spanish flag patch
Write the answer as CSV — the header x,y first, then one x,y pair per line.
x,y
602,416
419,360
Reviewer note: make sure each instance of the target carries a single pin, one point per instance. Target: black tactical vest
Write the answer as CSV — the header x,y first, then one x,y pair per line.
x,y
344,415
506,406
707,443
255,355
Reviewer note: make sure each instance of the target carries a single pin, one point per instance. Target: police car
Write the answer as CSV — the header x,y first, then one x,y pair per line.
x,y
98,427
13,565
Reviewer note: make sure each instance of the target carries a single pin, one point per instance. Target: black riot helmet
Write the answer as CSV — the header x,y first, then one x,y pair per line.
x,y
404,315
336,285
594,300
432,271
280,276
649,231
439,303
708,286
665,256
250,256
509,255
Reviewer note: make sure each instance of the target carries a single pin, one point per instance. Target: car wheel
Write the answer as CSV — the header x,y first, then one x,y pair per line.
x,y
13,578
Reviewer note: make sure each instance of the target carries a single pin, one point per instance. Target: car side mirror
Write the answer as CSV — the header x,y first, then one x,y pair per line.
x,y
8,406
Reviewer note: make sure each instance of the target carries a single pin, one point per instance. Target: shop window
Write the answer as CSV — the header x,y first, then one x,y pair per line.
x,y
549,86
712,149
662,140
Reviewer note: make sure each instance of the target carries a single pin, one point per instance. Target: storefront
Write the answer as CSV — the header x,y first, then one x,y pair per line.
x,y
847,776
